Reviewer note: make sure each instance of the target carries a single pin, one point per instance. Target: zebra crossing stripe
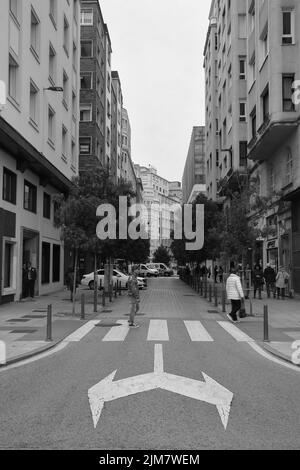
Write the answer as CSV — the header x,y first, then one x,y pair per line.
x,y
197,332
158,331
117,333
82,332
235,332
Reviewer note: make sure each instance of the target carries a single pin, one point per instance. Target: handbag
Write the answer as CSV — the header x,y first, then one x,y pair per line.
x,y
242,313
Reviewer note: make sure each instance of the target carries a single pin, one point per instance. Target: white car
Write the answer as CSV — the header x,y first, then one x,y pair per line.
x,y
88,279
145,271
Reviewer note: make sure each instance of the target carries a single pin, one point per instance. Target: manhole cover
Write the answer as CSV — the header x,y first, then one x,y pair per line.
x,y
107,325
18,320
23,331
106,311
32,317
212,311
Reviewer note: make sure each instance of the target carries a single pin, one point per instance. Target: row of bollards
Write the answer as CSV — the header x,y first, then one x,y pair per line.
x,y
210,292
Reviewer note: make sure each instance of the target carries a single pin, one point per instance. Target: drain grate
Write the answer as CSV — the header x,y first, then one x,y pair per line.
x,y
17,320
32,317
39,311
24,331
106,311
212,311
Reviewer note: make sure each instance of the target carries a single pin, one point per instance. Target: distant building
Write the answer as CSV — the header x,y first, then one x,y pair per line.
x,y
175,191
194,178
39,133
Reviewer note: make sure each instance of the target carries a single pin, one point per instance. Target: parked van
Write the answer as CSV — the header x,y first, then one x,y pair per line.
x,y
162,269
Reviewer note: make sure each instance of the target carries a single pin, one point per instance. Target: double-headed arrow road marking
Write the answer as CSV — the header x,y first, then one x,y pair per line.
x,y
209,391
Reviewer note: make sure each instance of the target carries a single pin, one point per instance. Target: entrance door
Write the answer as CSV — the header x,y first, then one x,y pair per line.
x,y
30,253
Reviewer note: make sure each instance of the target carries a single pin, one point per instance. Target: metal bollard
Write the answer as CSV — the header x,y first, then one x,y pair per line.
x,y
266,324
205,288
251,308
103,297
49,323
210,293
216,296
223,301
120,288
201,288
96,300
116,289
110,292
82,314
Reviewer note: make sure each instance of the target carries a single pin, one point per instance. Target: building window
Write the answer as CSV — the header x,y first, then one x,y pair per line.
x,y
242,25
85,145
34,103
30,197
66,35
65,89
86,17
243,153
264,45
289,167
51,125
86,48
287,92
53,10
242,68
9,186
52,64
35,34
242,111
13,79
86,81
14,8
56,263
64,137
8,271
46,263
86,112
47,206
266,104
73,154
253,123
272,182
288,26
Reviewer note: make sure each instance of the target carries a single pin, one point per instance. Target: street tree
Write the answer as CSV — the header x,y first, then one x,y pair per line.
x,y
162,255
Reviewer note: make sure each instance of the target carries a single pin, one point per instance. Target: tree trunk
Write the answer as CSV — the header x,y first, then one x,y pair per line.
x,y
74,281
95,284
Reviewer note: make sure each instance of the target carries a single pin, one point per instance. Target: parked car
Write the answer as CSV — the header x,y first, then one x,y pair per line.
x,y
144,271
162,269
88,279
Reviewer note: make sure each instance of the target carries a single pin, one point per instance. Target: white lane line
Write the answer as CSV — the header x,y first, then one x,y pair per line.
x,y
197,332
82,332
117,333
237,334
158,331
158,359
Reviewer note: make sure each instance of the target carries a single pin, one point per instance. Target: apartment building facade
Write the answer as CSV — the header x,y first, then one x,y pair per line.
x,y
226,93
92,87
194,177
117,87
39,65
159,207
263,71
273,49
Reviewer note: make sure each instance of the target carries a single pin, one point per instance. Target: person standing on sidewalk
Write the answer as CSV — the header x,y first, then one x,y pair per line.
x,y
235,294
270,278
258,280
31,276
282,280
134,294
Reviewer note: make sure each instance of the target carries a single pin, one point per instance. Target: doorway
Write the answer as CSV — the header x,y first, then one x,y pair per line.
x,y
30,245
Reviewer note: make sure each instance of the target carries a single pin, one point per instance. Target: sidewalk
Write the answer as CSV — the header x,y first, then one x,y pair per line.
x,y
23,325
284,324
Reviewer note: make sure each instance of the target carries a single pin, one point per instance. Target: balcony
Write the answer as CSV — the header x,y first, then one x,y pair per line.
x,y
270,136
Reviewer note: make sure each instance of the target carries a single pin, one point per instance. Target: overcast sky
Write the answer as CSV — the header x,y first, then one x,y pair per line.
x,y
158,52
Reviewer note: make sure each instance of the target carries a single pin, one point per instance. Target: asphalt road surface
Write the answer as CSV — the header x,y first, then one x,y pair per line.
x,y
243,400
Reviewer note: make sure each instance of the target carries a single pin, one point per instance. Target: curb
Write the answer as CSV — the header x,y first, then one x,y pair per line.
x,y
277,354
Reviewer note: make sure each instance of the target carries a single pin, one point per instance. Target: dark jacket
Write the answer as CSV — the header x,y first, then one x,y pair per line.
x,y
270,275
258,277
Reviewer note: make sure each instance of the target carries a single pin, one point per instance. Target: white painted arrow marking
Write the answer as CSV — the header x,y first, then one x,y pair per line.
x,y
209,391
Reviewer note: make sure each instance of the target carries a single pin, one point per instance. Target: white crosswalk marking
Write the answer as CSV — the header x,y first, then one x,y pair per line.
x,y
158,331
82,332
117,333
235,332
197,332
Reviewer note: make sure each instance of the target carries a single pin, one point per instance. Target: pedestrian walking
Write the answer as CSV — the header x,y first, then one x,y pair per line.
x,y
235,294
258,281
221,274
270,279
216,272
282,280
134,294
30,276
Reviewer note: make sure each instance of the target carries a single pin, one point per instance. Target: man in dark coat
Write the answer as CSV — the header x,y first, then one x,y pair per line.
x,y
270,278
258,280
30,278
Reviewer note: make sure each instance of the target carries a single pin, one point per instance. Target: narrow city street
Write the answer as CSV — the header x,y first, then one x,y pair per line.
x,y
186,379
